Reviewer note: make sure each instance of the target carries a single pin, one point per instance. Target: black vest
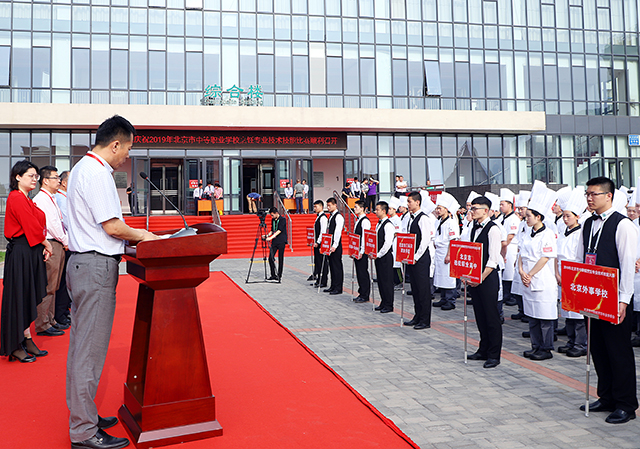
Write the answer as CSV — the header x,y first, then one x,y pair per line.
x,y
358,228
316,226
415,229
381,233
483,238
332,228
606,252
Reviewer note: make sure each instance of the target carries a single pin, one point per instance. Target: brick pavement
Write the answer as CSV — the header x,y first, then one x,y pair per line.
x,y
419,380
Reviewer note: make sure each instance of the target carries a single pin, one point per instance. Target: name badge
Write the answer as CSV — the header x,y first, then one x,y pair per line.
x,y
590,259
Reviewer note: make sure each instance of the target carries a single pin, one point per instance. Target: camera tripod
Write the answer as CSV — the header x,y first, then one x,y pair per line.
x,y
261,235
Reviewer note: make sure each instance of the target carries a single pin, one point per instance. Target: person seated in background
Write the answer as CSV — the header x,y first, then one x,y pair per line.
x,y
253,198
288,191
346,192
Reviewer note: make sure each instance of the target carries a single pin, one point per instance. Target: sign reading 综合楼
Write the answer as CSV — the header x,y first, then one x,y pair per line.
x,y
234,96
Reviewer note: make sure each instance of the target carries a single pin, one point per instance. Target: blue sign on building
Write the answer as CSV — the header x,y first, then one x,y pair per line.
x,y
634,140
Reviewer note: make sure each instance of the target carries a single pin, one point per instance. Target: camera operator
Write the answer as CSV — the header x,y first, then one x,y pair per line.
x,y
278,239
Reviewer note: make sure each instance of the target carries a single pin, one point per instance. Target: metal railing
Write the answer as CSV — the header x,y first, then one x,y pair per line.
x,y
283,211
215,215
349,216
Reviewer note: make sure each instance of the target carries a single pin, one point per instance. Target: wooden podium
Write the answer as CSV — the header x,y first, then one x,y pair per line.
x,y
167,395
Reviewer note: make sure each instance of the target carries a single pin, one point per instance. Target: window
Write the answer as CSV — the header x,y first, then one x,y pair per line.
x,y
5,54
432,78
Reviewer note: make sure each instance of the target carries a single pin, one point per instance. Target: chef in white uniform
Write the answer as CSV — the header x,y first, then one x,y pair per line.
x,y
573,207
447,229
510,222
559,206
394,204
494,213
522,200
537,270
428,207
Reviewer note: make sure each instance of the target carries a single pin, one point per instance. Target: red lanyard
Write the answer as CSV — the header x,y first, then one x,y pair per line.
x,y
96,158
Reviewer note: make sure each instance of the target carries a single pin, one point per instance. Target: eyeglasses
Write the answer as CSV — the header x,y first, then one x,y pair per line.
x,y
592,194
33,176
473,209
52,177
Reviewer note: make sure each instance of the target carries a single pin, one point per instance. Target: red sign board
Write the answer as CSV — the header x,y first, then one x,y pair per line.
x,y
310,237
405,248
590,289
283,183
193,183
370,242
349,180
433,194
325,244
354,244
466,260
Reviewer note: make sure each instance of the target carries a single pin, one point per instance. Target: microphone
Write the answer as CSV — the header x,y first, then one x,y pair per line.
x,y
183,232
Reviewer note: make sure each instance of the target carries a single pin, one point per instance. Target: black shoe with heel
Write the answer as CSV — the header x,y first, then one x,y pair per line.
x,y
22,356
30,347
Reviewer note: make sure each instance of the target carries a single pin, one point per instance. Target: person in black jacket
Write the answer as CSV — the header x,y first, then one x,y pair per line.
x,y
278,239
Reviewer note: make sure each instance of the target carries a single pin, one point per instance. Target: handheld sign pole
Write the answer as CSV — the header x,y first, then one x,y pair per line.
x,y
354,251
371,248
466,265
405,254
591,290
310,242
371,289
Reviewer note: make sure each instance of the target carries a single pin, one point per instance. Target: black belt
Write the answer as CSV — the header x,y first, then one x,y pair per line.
x,y
116,257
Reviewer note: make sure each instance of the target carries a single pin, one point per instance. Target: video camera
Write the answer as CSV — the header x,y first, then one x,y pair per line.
x,y
262,215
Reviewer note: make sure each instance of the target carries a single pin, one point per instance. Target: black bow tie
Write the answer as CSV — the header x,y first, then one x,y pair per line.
x,y
477,226
597,217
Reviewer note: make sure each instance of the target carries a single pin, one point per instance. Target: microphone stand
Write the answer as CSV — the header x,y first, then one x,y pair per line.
x,y
183,232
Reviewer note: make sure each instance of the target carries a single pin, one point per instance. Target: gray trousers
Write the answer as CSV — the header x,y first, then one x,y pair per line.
x,y
91,280
541,334
577,333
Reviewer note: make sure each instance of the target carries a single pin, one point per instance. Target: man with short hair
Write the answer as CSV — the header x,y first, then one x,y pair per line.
x,y
355,188
609,239
299,195
362,266
385,232
419,271
335,226
278,238
320,264
56,234
197,195
96,239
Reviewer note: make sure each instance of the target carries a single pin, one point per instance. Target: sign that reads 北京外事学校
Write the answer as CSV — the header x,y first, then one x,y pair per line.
x,y
234,96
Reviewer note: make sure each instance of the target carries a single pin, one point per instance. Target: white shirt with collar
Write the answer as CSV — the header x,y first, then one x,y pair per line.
x,y
366,225
61,199
323,225
288,192
389,234
495,242
197,193
426,229
626,244
93,199
47,203
355,188
337,235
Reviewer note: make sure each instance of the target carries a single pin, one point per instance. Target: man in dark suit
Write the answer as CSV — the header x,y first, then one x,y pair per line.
x,y
278,239
336,224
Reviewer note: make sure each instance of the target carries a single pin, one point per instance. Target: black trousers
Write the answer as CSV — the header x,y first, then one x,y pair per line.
x,y
336,269
421,288
320,263
362,273
384,271
485,308
276,247
614,362
63,300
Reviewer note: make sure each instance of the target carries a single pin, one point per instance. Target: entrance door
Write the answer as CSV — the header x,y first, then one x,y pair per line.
x,y
166,174
266,175
258,175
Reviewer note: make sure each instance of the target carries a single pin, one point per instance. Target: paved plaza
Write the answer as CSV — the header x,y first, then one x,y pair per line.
x,y
419,379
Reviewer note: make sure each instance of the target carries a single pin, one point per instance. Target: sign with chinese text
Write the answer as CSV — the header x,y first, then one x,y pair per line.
x,y
354,244
590,289
405,248
634,140
433,195
283,183
310,237
193,183
234,96
370,242
465,260
325,244
246,140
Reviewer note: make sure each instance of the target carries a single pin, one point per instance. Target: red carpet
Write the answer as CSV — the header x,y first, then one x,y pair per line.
x,y
271,390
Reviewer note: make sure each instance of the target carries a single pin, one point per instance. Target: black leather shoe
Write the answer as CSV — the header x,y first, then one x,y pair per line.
x,y
510,302
619,416
22,356
378,308
360,300
598,406
327,290
409,292
51,332
477,356
272,278
517,316
386,310
563,349
335,292
541,355
529,353
410,323
524,319
469,302
311,278
101,440
106,423
439,303
526,334
575,352
448,307
421,326
491,363
30,347
61,326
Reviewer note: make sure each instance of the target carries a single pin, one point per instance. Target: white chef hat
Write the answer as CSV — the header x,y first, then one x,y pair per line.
x,y
447,201
631,197
426,205
523,198
495,200
403,200
473,195
619,202
576,203
507,195
563,196
542,198
394,202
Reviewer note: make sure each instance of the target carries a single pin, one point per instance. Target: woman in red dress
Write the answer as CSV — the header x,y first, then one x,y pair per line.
x,y
25,274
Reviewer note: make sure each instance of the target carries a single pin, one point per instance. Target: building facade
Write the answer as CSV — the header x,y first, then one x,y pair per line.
x,y
454,92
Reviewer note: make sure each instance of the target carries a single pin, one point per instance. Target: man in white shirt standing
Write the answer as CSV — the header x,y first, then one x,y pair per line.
x,y
49,182
63,300
197,195
335,226
385,232
96,239
362,267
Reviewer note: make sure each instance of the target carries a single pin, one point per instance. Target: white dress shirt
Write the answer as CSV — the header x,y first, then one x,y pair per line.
x,y
389,234
55,229
355,188
426,229
61,199
197,193
366,226
93,199
337,235
626,244
323,225
288,192
495,243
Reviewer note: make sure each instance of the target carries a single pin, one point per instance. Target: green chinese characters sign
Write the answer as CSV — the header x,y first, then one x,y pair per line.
x,y
234,96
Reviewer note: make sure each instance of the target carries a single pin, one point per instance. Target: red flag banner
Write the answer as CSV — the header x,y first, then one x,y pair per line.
x,y
310,236
325,245
370,242
406,248
354,245
591,290
466,260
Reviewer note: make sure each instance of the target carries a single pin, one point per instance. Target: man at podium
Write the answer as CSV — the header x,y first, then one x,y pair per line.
x,y
97,234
